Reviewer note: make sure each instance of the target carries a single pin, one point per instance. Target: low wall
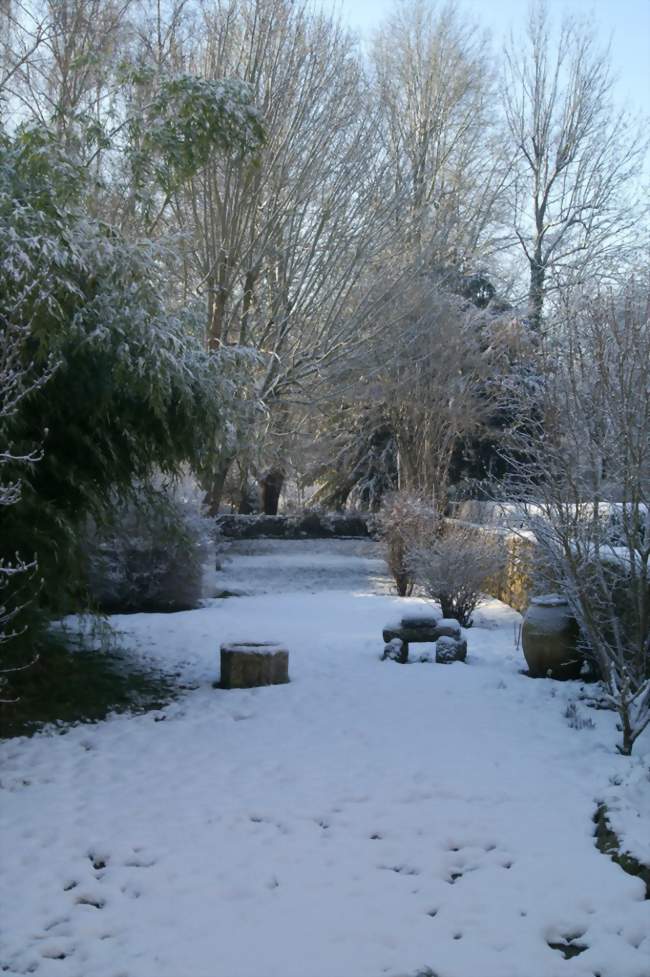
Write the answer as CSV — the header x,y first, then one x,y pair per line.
x,y
514,585
305,525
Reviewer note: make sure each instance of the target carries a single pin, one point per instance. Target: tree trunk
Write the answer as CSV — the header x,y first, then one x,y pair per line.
x,y
536,291
244,508
216,483
271,484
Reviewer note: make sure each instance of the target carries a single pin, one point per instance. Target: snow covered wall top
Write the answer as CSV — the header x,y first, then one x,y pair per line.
x,y
310,524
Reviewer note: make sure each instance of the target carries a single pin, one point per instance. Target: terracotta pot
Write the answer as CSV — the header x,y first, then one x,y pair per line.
x,y
549,637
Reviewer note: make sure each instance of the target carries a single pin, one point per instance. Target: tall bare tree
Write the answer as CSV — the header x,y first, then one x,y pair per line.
x,y
434,81
576,157
22,32
279,247
66,54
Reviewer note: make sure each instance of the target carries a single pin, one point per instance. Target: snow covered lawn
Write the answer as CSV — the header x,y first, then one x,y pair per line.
x,y
369,818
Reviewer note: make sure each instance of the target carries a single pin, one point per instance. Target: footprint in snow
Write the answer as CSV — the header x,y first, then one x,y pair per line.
x,y
140,862
57,924
57,951
91,900
130,890
98,862
400,869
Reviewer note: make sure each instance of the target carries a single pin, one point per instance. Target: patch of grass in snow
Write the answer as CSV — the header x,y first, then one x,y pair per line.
x,y
79,685
569,949
608,842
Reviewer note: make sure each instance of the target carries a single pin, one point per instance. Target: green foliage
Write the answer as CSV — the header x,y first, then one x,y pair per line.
x,y
134,390
71,682
151,555
359,465
187,121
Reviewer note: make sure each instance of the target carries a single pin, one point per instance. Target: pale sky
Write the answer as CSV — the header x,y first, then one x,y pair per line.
x,y
627,22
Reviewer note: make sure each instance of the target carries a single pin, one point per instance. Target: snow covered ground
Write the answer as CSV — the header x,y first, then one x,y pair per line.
x,y
369,818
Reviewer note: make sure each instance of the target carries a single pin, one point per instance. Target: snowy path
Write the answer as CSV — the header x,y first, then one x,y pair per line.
x,y
367,819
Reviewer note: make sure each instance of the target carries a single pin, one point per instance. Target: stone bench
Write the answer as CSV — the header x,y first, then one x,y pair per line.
x,y
249,664
424,628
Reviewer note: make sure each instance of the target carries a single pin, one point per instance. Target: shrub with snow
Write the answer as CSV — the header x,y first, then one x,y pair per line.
x,y
454,568
404,522
151,556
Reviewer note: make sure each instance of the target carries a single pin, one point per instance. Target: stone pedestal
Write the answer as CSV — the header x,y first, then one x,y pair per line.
x,y
422,629
450,649
246,665
396,650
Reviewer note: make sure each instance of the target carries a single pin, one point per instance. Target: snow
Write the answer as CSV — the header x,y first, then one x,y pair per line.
x,y
550,600
450,624
254,648
368,818
415,618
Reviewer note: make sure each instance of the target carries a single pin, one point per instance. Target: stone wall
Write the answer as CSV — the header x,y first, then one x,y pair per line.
x,y
514,585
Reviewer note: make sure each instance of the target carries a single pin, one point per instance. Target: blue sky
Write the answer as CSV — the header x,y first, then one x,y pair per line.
x,y
627,22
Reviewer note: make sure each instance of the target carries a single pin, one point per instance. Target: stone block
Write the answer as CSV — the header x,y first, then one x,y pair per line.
x,y
424,633
450,649
246,665
396,650
448,627
426,630
420,619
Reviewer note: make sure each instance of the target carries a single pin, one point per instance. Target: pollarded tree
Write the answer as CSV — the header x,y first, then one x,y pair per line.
x,y
418,403
576,158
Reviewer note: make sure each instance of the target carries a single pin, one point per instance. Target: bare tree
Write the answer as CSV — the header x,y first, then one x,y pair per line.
x,y
22,33
576,157
404,521
434,82
581,463
429,373
64,58
278,247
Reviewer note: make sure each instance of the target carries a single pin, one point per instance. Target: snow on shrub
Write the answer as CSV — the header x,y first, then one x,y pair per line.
x,y
151,556
405,521
453,568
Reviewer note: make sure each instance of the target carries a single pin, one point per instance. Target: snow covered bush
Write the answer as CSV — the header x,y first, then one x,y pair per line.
x,y
404,522
454,568
16,382
18,576
136,389
150,556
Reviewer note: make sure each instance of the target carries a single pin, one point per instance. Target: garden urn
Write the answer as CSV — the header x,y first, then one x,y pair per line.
x,y
549,637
